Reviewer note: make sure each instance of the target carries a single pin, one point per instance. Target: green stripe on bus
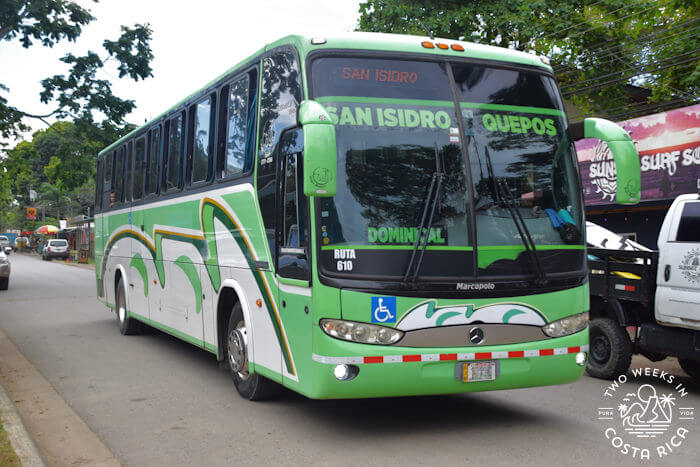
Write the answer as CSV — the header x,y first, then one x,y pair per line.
x,y
436,103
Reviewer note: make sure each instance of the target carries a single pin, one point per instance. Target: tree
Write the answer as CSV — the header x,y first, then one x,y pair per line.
x,y
78,93
598,48
62,158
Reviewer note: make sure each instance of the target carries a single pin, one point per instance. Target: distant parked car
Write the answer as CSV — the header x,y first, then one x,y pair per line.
x,y
5,244
57,248
4,271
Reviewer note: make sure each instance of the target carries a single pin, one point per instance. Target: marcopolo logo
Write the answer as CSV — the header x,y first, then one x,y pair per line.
x,y
649,420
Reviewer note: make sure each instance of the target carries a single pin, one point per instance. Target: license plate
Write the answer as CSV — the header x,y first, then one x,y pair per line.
x,y
479,371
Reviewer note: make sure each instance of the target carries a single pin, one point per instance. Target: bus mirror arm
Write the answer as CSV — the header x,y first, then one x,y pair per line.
x,y
320,153
621,147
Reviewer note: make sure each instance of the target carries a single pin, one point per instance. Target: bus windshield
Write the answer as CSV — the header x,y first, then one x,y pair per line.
x,y
494,137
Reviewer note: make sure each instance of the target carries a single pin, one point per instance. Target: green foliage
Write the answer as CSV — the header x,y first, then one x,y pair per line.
x,y
58,163
597,47
42,20
78,93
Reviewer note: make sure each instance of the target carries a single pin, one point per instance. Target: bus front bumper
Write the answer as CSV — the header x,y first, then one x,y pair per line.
x,y
387,371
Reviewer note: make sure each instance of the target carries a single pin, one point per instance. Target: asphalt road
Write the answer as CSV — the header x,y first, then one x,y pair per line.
x,y
155,400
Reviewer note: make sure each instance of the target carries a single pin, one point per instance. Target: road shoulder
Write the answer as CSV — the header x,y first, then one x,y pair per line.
x,y
61,435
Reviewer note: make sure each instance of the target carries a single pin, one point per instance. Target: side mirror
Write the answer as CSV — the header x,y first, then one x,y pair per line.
x,y
629,176
320,153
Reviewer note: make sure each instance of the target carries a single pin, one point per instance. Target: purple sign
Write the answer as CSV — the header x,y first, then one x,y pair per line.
x,y
669,154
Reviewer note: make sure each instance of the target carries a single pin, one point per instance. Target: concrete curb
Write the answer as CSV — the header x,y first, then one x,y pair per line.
x,y
62,437
21,440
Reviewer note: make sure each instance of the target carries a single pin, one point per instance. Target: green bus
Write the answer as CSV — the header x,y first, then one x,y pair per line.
x,y
360,216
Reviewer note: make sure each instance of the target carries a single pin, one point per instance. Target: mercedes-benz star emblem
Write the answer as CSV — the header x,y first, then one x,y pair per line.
x,y
476,336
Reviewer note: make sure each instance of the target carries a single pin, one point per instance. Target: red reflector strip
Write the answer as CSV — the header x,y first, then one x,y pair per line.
x,y
433,357
626,288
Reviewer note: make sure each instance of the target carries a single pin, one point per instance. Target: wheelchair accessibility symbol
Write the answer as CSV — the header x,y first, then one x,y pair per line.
x,y
383,309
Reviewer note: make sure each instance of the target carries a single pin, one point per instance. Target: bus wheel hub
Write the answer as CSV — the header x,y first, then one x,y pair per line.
x,y
237,350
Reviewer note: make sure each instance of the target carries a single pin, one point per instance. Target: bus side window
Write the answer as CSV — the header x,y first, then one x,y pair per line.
x,y
107,188
200,140
236,153
98,184
175,140
129,161
153,161
118,177
279,98
139,153
293,261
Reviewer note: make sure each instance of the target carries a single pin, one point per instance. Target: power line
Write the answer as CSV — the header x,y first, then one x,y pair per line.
x,y
599,47
632,110
577,24
617,72
652,39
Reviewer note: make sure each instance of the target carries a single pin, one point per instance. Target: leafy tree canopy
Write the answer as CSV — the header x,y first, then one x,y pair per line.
x,y
79,92
59,164
597,47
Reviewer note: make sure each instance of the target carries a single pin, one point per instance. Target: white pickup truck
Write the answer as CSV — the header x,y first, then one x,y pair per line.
x,y
645,301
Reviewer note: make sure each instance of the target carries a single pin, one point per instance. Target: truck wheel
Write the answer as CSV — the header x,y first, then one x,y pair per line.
x,y
4,283
692,367
253,387
610,349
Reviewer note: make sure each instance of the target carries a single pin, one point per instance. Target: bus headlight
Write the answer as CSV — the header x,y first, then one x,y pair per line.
x,y
566,326
360,332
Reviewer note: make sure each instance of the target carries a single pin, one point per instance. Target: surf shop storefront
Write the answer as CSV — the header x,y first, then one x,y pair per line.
x,y
669,149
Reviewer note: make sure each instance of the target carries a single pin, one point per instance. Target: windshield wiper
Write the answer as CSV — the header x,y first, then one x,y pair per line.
x,y
503,192
431,203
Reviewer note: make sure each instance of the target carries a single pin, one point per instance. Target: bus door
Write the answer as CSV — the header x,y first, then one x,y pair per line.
x,y
293,270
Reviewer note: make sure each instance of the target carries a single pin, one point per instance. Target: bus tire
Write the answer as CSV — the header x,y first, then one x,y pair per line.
x,y
253,387
610,351
127,326
692,367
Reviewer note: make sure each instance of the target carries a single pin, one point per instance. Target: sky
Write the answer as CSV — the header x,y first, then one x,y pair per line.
x,y
193,42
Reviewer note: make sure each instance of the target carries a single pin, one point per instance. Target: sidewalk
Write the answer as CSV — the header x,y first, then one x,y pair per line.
x,y
34,406
70,263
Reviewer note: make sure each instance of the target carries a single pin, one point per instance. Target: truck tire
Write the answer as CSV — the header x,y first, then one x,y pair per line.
x,y
610,349
692,367
4,283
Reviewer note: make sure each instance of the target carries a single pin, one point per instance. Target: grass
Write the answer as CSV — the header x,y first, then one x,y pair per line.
x,y
8,458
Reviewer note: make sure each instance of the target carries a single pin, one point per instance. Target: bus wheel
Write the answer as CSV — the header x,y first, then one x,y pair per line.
x,y
692,367
127,326
251,386
610,349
